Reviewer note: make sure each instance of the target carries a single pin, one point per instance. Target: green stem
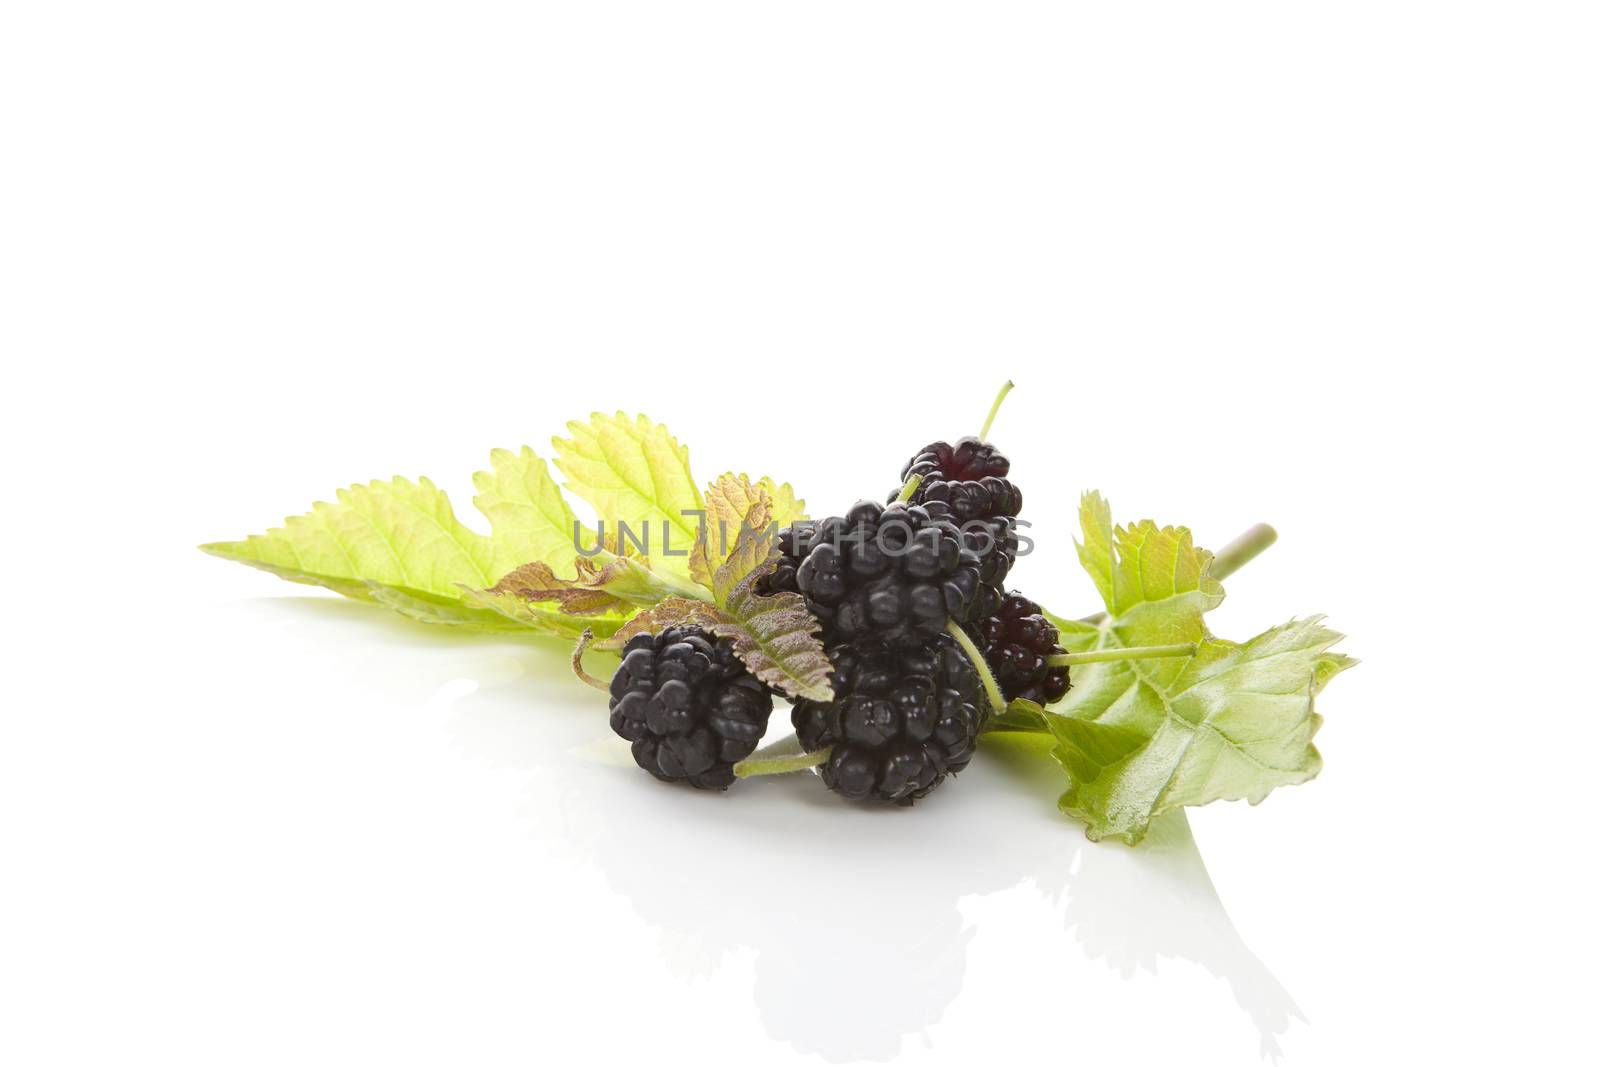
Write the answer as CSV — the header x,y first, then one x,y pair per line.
x,y
1107,655
996,701
1242,549
759,764
994,409
653,585
577,663
909,490
673,585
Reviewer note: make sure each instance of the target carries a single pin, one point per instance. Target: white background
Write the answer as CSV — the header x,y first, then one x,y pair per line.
x,y
1330,266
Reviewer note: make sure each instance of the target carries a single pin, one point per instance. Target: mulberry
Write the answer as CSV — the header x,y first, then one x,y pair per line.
x,y
970,477
894,576
1017,641
688,705
900,721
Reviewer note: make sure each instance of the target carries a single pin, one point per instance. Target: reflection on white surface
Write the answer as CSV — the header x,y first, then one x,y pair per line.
x,y
853,914
852,917
1132,907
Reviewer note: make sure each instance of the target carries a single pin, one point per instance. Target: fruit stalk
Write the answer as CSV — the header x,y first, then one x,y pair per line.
x,y
1108,655
784,757
577,663
979,664
909,490
994,409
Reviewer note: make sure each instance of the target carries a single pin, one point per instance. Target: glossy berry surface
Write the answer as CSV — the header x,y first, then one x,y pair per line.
x,y
688,705
969,477
994,542
900,722
1016,641
791,552
888,575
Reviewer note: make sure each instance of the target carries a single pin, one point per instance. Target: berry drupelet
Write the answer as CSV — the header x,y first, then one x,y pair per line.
x,y
1016,641
688,705
888,575
791,553
900,721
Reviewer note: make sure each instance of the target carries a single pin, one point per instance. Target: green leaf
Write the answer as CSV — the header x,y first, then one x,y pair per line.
x,y
787,508
607,584
734,507
424,607
1145,564
1140,737
732,503
673,611
776,636
547,618
399,543
530,518
756,547
634,471
398,533
1232,723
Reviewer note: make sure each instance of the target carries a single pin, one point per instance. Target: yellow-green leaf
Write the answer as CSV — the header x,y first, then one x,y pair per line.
x,y
399,542
735,508
1140,737
398,533
530,518
1142,563
633,471
1233,722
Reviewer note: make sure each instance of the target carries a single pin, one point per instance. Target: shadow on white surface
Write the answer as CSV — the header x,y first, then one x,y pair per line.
x,y
853,915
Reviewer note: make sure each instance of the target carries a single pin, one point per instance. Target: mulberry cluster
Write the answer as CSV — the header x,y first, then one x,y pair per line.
x,y
688,705
899,722
886,582
970,478
1017,641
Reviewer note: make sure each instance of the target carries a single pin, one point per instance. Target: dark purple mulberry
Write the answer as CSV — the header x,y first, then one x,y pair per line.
x,y
900,721
688,705
969,477
894,576
1016,642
